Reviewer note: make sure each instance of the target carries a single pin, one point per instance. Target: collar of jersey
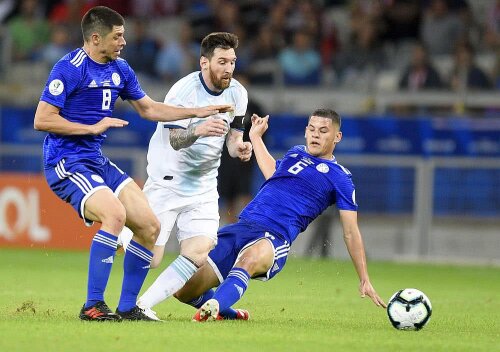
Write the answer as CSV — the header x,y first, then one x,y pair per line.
x,y
209,91
332,160
95,62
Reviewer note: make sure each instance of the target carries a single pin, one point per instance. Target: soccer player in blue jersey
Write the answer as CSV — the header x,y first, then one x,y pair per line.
x,y
298,188
75,109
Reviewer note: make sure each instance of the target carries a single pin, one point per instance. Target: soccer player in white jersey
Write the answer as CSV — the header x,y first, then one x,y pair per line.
x,y
75,109
183,159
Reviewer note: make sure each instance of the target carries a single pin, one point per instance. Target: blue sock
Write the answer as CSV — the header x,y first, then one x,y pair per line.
x,y
232,289
102,253
198,302
136,265
228,313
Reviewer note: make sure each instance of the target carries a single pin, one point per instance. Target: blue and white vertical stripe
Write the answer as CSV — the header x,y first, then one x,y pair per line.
x,y
77,178
239,274
281,251
78,58
106,239
184,267
139,251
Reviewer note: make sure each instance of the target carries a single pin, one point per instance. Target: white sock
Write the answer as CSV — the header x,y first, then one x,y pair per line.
x,y
125,237
169,282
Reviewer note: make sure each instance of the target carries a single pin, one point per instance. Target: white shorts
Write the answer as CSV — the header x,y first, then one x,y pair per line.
x,y
193,216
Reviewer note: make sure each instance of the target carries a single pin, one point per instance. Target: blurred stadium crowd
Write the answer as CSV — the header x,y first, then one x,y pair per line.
x,y
400,44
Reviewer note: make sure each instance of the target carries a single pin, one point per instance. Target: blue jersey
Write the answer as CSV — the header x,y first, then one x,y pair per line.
x,y
300,189
86,92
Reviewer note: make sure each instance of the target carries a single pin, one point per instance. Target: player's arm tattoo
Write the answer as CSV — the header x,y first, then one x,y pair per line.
x,y
180,138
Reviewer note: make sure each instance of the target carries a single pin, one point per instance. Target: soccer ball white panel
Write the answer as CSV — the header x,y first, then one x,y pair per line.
x,y
409,309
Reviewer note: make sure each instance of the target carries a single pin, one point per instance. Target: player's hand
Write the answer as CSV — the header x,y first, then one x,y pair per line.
x,y
366,289
211,127
212,110
106,123
244,151
259,126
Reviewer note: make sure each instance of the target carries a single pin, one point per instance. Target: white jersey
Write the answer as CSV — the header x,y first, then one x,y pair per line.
x,y
192,171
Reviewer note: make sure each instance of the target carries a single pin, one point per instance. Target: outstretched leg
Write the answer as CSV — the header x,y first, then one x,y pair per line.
x,y
194,252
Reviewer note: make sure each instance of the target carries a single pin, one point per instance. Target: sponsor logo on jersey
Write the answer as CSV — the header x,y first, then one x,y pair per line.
x,y
97,178
92,84
56,87
106,83
116,78
323,168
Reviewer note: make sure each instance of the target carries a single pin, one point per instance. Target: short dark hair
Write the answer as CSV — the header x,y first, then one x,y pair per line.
x,y
216,40
100,19
329,114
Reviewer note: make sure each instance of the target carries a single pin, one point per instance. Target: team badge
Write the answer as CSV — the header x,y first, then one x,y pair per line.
x,y
56,87
116,78
323,168
97,178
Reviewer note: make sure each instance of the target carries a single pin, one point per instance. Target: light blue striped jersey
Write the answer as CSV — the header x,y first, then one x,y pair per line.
x,y
300,189
86,92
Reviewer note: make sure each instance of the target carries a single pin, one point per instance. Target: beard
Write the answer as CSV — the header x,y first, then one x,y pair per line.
x,y
219,83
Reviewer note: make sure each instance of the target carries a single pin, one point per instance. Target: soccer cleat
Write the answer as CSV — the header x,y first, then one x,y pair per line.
x,y
149,312
98,312
135,314
208,311
241,314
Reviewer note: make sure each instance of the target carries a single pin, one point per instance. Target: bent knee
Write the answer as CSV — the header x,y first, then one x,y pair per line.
x,y
196,249
254,264
115,218
249,263
199,258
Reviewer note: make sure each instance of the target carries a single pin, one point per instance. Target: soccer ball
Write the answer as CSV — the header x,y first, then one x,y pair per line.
x,y
409,309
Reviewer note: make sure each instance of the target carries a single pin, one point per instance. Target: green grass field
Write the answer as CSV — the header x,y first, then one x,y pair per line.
x,y
313,305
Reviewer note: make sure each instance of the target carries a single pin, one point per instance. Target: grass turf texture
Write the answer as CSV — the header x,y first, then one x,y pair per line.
x,y
313,305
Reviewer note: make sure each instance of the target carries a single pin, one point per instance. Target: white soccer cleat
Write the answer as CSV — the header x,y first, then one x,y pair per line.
x,y
148,312
208,311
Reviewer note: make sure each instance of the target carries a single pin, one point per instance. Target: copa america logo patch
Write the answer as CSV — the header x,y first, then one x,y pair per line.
x,y
323,168
115,77
56,87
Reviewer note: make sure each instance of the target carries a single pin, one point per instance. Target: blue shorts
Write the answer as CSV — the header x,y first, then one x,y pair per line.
x,y
234,238
74,181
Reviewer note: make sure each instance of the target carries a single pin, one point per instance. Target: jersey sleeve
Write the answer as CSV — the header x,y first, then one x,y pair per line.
x,y
178,96
132,89
345,192
240,97
63,80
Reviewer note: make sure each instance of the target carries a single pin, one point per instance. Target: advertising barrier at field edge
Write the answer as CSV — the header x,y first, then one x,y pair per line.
x,y
32,216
